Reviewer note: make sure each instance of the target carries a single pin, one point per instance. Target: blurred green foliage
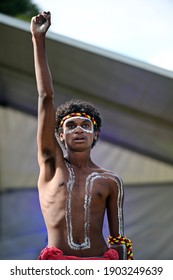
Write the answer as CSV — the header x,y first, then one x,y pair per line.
x,y
23,9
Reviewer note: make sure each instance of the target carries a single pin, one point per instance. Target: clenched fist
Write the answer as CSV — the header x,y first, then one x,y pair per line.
x,y
40,23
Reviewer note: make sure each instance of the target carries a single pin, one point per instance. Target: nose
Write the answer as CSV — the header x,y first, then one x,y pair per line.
x,y
79,129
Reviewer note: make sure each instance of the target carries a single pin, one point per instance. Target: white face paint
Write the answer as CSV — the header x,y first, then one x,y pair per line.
x,y
70,126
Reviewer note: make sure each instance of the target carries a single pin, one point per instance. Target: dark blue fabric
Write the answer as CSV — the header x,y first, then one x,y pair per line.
x,y
22,228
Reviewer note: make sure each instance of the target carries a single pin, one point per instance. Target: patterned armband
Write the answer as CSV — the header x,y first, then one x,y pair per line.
x,y
122,240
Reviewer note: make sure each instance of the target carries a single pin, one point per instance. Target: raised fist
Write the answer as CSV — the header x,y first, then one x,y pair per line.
x,y
40,23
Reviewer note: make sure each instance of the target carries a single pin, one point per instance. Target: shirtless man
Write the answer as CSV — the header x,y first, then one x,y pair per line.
x,y
73,191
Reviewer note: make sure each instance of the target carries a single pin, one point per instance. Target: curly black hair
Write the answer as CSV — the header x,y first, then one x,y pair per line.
x,y
78,106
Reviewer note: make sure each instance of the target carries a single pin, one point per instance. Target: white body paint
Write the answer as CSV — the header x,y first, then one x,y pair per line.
x,y
87,203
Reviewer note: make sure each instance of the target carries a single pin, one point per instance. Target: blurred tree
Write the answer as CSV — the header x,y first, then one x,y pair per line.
x,y
23,9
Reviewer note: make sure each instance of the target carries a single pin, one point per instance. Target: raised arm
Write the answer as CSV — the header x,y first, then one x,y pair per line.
x,y
48,148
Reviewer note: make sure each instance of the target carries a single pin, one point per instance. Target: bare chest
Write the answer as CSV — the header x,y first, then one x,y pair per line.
x,y
85,186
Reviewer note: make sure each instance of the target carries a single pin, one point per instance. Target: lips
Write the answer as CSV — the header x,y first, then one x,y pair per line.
x,y
80,139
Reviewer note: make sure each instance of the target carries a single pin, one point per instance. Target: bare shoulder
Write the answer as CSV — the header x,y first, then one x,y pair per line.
x,y
114,177
116,187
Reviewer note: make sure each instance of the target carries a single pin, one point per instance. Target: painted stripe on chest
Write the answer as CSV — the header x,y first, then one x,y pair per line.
x,y
87,203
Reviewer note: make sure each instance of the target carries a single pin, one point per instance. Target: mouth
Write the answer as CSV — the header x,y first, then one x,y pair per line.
x,y
80,139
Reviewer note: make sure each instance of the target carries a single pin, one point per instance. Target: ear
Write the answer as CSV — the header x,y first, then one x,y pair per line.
x,y
96,135
61,136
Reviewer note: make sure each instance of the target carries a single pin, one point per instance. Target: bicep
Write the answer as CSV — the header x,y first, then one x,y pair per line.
x,y
48,147
115,208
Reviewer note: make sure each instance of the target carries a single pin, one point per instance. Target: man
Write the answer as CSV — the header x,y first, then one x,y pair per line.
x,y
74,192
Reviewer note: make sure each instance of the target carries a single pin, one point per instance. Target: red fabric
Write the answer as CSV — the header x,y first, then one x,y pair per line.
x,y
53,253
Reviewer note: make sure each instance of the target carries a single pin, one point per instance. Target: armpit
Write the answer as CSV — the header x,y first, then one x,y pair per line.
x,y
47,154
48,158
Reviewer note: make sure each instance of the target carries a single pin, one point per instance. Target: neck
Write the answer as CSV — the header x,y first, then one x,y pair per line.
x,y
80,160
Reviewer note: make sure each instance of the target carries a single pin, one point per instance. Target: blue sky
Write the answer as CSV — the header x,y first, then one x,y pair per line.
x,y
140,29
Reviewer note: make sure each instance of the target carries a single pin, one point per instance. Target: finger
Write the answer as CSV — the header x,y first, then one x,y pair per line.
x,y
43,17
40,19
34,19
47,15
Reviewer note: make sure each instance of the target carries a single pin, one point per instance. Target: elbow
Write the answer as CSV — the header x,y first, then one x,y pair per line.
x,y
45,98
45,94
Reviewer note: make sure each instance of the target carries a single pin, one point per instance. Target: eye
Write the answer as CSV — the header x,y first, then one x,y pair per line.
x,y
85,125
70,126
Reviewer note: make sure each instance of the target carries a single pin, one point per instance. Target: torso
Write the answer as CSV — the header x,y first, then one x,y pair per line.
x,y
74,209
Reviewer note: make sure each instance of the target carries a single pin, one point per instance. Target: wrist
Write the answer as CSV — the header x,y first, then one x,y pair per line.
x,y
124,242
38,37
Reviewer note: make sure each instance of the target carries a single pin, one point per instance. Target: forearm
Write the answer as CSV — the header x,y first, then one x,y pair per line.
x,y
46,110
42,71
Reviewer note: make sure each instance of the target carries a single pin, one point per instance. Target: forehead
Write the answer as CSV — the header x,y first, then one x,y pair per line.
x,y
77,119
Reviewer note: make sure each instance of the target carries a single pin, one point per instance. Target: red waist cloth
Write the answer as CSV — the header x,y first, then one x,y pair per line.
x,y
53,253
